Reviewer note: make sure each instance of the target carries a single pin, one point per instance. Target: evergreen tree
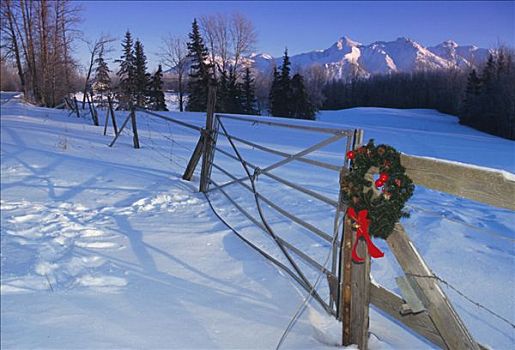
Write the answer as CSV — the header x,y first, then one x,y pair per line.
x,y
234,102
472,91
222,93
102,81
157,96
248,94
300,105
273,97
200,72
141,77
126,73
288,97
489,103
489,72
284,88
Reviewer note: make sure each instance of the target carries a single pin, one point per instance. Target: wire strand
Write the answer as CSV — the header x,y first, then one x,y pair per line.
x,y
434,276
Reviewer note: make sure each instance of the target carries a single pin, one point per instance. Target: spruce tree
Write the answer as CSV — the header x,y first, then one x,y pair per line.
x,y
222,93
274,96
469,110
102,81
280,92
489,103
200,72
300,105
234,102
489,71
141,77
126,73
284,89
157,96
248,94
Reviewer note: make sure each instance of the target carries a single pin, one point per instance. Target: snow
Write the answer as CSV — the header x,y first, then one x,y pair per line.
x,y
108,247
346,56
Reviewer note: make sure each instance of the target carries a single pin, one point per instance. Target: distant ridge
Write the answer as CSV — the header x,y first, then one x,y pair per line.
x,y
346,58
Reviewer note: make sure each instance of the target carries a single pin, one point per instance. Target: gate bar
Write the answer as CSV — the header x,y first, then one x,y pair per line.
x,y
287,155
286,125
281,180
292,217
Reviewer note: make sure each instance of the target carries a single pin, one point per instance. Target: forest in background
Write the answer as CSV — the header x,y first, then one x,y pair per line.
x,y
37,47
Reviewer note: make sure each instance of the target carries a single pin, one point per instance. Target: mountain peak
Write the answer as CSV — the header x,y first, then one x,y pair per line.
x,y
345,41
404,39
449,43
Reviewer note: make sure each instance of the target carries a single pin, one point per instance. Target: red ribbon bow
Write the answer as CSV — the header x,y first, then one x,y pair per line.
x,y
362,231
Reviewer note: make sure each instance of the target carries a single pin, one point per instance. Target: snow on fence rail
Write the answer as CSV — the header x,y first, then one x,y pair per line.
x,y
350,288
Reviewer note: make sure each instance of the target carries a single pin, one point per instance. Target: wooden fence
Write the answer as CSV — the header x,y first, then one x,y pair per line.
x,y
424,308
436,319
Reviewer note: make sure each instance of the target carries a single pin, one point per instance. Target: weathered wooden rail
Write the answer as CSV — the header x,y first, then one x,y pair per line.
x,y
478,184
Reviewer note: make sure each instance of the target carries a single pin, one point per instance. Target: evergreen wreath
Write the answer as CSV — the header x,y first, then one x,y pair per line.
x,y
361,192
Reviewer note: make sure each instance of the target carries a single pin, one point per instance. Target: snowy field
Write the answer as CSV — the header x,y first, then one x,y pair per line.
x,y
108,248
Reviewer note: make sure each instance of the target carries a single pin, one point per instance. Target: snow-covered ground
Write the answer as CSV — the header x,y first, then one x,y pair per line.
x,y
108,248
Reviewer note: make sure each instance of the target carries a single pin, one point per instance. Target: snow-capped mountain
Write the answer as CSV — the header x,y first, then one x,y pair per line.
x,y
347,58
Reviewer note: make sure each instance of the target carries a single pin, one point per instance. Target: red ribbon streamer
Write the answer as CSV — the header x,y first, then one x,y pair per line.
x,y
362,231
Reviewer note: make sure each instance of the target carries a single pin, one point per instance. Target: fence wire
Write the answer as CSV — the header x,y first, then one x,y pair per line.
x,y
463,295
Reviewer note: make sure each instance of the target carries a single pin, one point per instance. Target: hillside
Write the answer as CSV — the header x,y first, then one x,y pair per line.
x,y
108,247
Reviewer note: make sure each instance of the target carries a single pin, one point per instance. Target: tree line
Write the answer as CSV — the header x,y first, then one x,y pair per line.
x,y
489,101
440,90
484,101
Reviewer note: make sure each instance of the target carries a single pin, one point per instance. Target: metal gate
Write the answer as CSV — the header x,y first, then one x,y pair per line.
x,y
239,149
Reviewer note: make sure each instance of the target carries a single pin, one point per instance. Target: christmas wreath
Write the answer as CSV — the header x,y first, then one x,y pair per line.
x,y
375,205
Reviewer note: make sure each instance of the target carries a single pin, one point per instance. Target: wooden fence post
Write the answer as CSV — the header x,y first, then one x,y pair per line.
x,y
92,110
345,288
355,288
360,288
106,122
135,138
195,158
113,118
76,106
209,139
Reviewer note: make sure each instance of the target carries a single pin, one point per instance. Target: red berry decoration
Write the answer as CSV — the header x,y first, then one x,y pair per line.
x,y
351,155
379,183
384,177
398,182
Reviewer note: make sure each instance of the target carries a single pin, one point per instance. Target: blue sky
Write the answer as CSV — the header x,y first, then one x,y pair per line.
x,y
307,25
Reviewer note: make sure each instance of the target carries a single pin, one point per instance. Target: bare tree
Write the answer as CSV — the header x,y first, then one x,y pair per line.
x,y
100,45
37,38
229,38
174,56
315,78
10,47
243,38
